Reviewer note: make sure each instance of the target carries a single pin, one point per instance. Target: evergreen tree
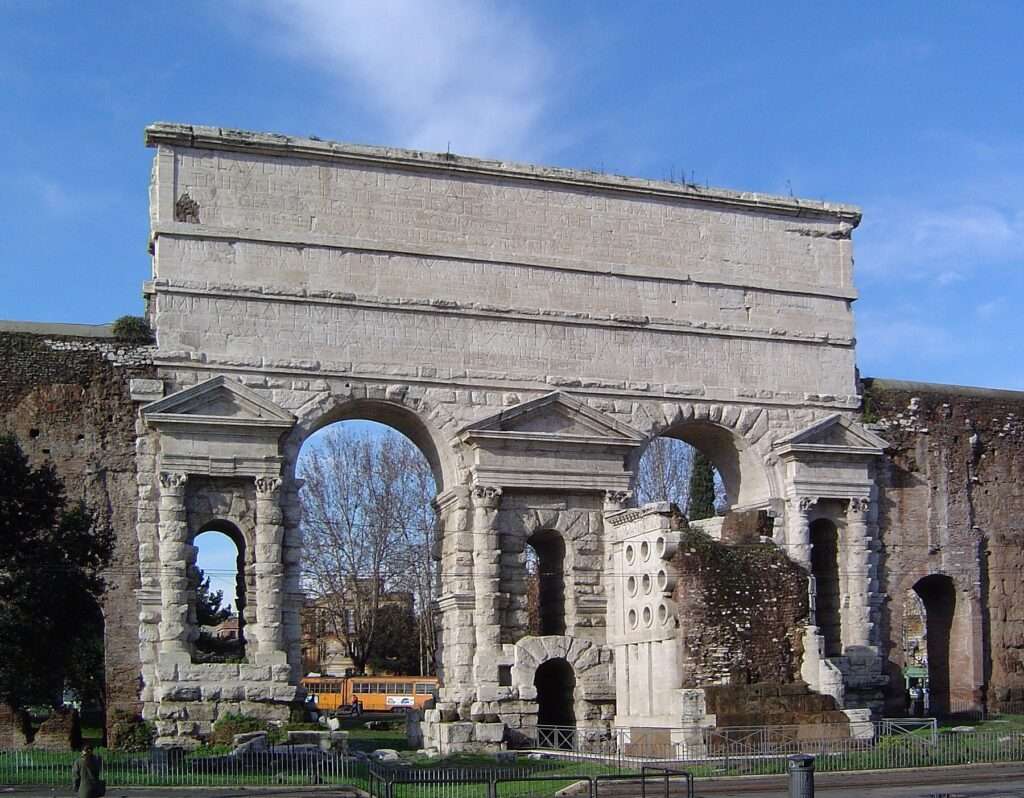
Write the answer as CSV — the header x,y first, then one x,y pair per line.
x,y
209,609
51,556
702,488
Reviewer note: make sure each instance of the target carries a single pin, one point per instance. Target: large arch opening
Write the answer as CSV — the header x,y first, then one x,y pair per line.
x,y
672,470
825,570
664,469
368,528
545,589
555,681
938,594
217,576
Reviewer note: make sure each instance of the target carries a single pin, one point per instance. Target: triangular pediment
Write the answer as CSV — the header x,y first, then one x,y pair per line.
x,y
218,400
836,434
554,416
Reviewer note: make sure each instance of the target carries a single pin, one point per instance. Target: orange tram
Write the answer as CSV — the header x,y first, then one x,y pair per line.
x,y
331,694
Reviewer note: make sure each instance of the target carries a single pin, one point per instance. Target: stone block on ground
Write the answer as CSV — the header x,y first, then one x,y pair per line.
x,y
249,743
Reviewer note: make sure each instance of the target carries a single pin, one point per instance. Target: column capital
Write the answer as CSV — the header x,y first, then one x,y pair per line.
x,y
486,496
173,480
267,485
805,503
617,498
858,508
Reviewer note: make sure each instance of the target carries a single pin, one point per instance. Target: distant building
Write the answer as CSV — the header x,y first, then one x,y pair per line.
x,y
323,650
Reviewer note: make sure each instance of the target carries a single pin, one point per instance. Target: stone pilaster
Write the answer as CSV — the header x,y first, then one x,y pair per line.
x,y
486,585
798,537
858,563
455,600
291,615
174,584
269,568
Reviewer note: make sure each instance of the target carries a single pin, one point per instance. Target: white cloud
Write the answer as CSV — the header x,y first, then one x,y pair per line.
x,y
943,244
457,71
992,308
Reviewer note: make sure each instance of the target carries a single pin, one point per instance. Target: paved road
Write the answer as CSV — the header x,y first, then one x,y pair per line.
x,y
973,781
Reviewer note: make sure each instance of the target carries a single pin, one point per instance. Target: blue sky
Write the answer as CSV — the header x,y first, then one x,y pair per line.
x,y
912,111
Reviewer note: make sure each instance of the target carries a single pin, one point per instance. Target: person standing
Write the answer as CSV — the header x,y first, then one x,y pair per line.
x,y
86,775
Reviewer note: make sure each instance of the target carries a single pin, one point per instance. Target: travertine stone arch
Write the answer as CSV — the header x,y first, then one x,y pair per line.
x,y
727,434
430,427
590,662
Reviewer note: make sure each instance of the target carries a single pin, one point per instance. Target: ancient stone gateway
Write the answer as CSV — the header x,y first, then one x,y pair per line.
x,y
531,330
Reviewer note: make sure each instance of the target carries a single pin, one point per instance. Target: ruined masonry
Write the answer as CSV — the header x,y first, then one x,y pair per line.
x,y
531,330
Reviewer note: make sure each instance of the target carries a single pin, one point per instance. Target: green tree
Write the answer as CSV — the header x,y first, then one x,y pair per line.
x,y
702,488
51,557
209,603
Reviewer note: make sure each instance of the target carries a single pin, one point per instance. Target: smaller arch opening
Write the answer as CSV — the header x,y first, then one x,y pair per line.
x,y
545,574
555,681
825,570
217,577
938,594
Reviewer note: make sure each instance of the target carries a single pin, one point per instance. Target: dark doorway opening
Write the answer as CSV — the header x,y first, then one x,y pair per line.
x,y
825,570
548,583
556,687
938,594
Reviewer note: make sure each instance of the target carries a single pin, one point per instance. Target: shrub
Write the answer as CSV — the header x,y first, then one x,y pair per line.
x,y
279,734
129,732
230,724
132,328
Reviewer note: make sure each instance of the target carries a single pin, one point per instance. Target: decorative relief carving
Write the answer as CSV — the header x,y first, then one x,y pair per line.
x,y
173,480
267,485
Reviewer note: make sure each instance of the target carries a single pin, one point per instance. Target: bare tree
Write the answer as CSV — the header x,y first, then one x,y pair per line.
x,y
663,474
665,471
367,524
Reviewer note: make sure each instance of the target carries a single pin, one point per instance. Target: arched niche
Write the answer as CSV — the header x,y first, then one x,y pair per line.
x,y
549,548
244,583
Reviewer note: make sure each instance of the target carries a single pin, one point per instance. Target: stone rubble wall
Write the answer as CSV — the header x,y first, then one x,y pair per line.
x,y
952,504
68,401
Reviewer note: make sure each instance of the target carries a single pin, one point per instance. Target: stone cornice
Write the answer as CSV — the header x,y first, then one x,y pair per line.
x,y
500,381
276,145
329,241
450,307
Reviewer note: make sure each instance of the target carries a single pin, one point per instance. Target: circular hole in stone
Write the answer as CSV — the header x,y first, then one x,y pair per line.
x,y
647,583
659,547
648,616
630,554
662,581
632,619
631,585
645,551
662,614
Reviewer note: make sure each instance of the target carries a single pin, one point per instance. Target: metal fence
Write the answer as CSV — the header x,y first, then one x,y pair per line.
x,y
763,750
655,762
291,766
524,782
